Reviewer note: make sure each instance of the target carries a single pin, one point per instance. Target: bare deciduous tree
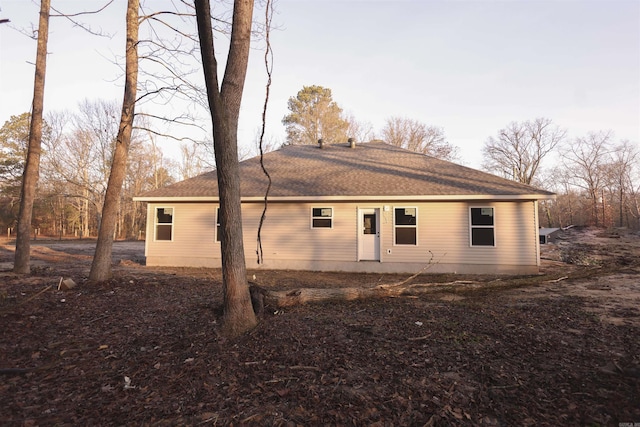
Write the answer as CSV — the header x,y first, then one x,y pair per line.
x,y
193,160
268,145
224,104
82,157
623,162
417,136
171,98
359,131
519,149
146,169
586,159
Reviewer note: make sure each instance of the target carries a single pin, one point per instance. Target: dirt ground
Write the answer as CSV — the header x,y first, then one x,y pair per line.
x,y
559,348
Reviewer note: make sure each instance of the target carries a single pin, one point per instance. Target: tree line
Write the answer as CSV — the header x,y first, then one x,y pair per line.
x,y
76,159
596,179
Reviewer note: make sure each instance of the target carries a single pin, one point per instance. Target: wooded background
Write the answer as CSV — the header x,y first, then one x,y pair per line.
x,y
597,179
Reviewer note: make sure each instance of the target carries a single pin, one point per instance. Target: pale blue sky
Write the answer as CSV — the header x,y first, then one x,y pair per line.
x,y
470,67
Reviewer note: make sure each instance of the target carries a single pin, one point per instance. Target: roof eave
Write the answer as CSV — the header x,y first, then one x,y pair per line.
x,y
426,198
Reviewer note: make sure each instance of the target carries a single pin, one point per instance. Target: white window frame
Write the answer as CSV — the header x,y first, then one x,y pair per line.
x,y
472,226
396,226
330,218
156,223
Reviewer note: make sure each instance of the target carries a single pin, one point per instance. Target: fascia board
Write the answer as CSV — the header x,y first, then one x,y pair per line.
x,y
456,197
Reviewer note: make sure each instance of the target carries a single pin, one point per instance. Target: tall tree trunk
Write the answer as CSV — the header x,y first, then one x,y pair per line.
x,y
547,210
85,215
224,105
101,266
621,201
32,165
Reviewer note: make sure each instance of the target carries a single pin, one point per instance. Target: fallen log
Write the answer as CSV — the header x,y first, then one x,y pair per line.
x,y
281,299
261,296
312,295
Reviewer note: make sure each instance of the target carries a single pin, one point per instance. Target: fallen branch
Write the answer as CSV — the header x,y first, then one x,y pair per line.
x,y
422,338
416,274
34,296
97,318
280,380
305,368
558,280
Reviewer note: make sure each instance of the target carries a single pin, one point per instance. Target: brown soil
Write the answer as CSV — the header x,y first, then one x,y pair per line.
x,y
560,348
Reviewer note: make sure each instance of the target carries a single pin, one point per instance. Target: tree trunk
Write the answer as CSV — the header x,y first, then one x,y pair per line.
x,y
224,106
32,165
101,266
547,210
621,201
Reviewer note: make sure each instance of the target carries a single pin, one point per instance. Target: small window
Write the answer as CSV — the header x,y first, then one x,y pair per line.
x,y
164,223
218,228
405,226
321,217
369,223
482,227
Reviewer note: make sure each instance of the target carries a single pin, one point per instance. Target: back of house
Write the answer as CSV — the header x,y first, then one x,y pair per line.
x,y
370,207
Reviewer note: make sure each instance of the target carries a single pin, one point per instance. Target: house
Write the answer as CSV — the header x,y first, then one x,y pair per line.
x,y
370,207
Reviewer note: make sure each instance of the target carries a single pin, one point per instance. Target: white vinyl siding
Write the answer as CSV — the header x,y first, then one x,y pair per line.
x,y
193,232
286,232
442,231
515,231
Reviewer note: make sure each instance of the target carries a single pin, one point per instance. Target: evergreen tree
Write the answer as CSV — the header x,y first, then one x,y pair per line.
x,y
313,116
14,139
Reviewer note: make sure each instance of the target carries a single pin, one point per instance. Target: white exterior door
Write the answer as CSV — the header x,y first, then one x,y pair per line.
x,y
369,234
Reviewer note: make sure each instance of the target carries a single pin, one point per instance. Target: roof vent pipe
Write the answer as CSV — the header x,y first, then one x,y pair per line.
x,y
352,143
321,143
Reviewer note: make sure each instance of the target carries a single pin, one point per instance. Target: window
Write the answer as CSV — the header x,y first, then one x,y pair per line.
x,y
322,218
218,228
482,233
164,223
369,222
405,226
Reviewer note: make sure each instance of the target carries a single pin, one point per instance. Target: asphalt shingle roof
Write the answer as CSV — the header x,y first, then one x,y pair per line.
x,y
368,170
